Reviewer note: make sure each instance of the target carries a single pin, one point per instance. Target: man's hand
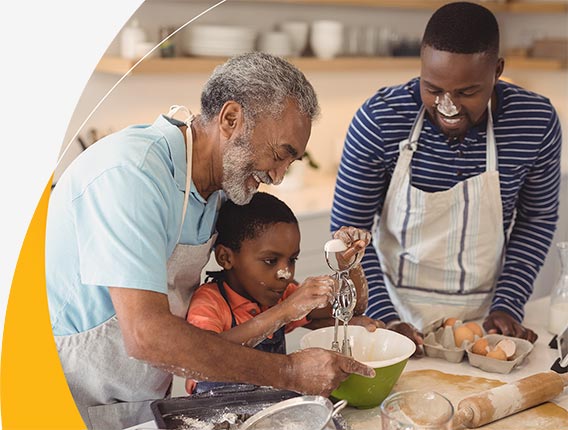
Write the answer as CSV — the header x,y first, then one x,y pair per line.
x,y
318,371
411,332
503,323
369,323
355,239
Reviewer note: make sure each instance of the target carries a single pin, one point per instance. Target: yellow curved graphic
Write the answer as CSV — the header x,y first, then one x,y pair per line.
x,y
34,393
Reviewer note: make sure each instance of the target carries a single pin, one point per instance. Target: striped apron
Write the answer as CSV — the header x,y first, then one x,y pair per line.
x,y
441,253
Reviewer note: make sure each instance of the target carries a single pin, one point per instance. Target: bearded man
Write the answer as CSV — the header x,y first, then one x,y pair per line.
x,y
130,227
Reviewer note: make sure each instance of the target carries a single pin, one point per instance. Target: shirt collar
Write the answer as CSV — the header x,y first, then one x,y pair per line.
x,y
237,301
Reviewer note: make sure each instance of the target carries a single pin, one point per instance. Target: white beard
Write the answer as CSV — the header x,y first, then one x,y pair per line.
x,y
237,169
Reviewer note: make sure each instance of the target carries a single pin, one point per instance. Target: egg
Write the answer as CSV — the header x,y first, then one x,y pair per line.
x,y
475,328
480,346
462,334
497,353
508,346
450,322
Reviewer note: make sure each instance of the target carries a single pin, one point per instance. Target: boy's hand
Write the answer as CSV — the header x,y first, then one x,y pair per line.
x,y
314,292
369,323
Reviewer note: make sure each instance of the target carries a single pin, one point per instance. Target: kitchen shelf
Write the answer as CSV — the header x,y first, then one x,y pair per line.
x,y
178,65
529,63
495,6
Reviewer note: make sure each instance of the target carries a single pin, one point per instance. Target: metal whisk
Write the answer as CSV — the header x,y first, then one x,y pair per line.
x,y
345,295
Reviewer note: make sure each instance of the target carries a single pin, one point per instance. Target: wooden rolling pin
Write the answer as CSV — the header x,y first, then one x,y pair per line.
x,y
500,402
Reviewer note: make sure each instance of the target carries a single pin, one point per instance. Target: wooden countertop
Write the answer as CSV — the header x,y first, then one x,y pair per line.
x,y
539,360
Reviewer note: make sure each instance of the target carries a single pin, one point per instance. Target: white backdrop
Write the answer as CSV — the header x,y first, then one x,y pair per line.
x,y
49,51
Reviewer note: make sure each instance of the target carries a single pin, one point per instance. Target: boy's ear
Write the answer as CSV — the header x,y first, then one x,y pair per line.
x,y
224,256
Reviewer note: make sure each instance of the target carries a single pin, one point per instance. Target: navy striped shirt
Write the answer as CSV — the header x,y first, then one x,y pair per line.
x,y
528,137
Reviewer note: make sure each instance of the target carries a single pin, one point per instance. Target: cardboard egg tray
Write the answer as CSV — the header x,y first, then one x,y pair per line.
x,y
523,348
439,343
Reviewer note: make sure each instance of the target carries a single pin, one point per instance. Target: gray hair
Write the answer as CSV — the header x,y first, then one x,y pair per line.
x,y
261,83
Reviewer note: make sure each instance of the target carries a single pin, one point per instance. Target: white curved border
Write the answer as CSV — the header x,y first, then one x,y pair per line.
x,y
49,51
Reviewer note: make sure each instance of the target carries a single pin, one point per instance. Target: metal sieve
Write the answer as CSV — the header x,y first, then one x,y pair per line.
x,y
298,413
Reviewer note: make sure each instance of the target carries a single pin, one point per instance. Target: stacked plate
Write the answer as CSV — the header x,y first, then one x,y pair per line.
x,y
218,40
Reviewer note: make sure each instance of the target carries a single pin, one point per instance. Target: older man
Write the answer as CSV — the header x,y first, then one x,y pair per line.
x,y
131,225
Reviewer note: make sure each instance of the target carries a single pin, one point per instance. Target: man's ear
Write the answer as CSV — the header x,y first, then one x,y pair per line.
x,y
230,118
500,68
224,256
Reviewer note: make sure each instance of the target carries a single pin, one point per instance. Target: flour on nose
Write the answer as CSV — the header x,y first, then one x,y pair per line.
x,y
284,274
446,107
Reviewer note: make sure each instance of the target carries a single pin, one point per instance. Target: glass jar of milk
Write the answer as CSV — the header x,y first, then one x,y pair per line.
x,y
558,318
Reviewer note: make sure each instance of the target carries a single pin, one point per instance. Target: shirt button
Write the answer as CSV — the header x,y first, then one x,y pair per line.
x,y
460,153
253,312
459,173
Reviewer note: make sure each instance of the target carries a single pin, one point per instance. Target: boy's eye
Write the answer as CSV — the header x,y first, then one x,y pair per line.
x,y
270,261
431,91
293,260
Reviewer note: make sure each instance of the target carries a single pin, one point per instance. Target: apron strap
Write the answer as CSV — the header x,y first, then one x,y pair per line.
x,y
491,163
174,109
412,141
219,278
411,144
416,129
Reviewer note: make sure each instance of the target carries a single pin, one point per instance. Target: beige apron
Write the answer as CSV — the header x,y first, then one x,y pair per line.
x,y
111,390
441,253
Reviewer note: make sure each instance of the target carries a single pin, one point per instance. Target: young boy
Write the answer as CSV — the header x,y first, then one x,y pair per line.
x,y
254,300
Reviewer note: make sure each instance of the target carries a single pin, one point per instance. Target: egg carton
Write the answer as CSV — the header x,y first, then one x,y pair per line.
x,y
523,348
439,342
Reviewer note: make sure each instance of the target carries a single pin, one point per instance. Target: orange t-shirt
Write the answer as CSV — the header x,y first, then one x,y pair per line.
x,y
208,309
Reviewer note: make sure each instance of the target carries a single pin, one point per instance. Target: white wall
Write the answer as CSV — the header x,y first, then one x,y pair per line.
x,y
140,98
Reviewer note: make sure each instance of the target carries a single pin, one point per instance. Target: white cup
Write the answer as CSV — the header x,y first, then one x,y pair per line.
x,y
297,31
275,43
326,39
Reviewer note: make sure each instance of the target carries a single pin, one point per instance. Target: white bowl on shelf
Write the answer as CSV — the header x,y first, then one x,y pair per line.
x,y
326,38
218,40
222,32
298,32
275,43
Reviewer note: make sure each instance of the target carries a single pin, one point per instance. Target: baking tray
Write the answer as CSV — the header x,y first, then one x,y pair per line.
x,y
222,409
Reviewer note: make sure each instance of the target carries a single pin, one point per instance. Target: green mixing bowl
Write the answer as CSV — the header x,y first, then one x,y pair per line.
x,y
384,350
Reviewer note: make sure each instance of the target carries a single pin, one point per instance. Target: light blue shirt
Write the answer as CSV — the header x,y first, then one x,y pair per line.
x,y
114,220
